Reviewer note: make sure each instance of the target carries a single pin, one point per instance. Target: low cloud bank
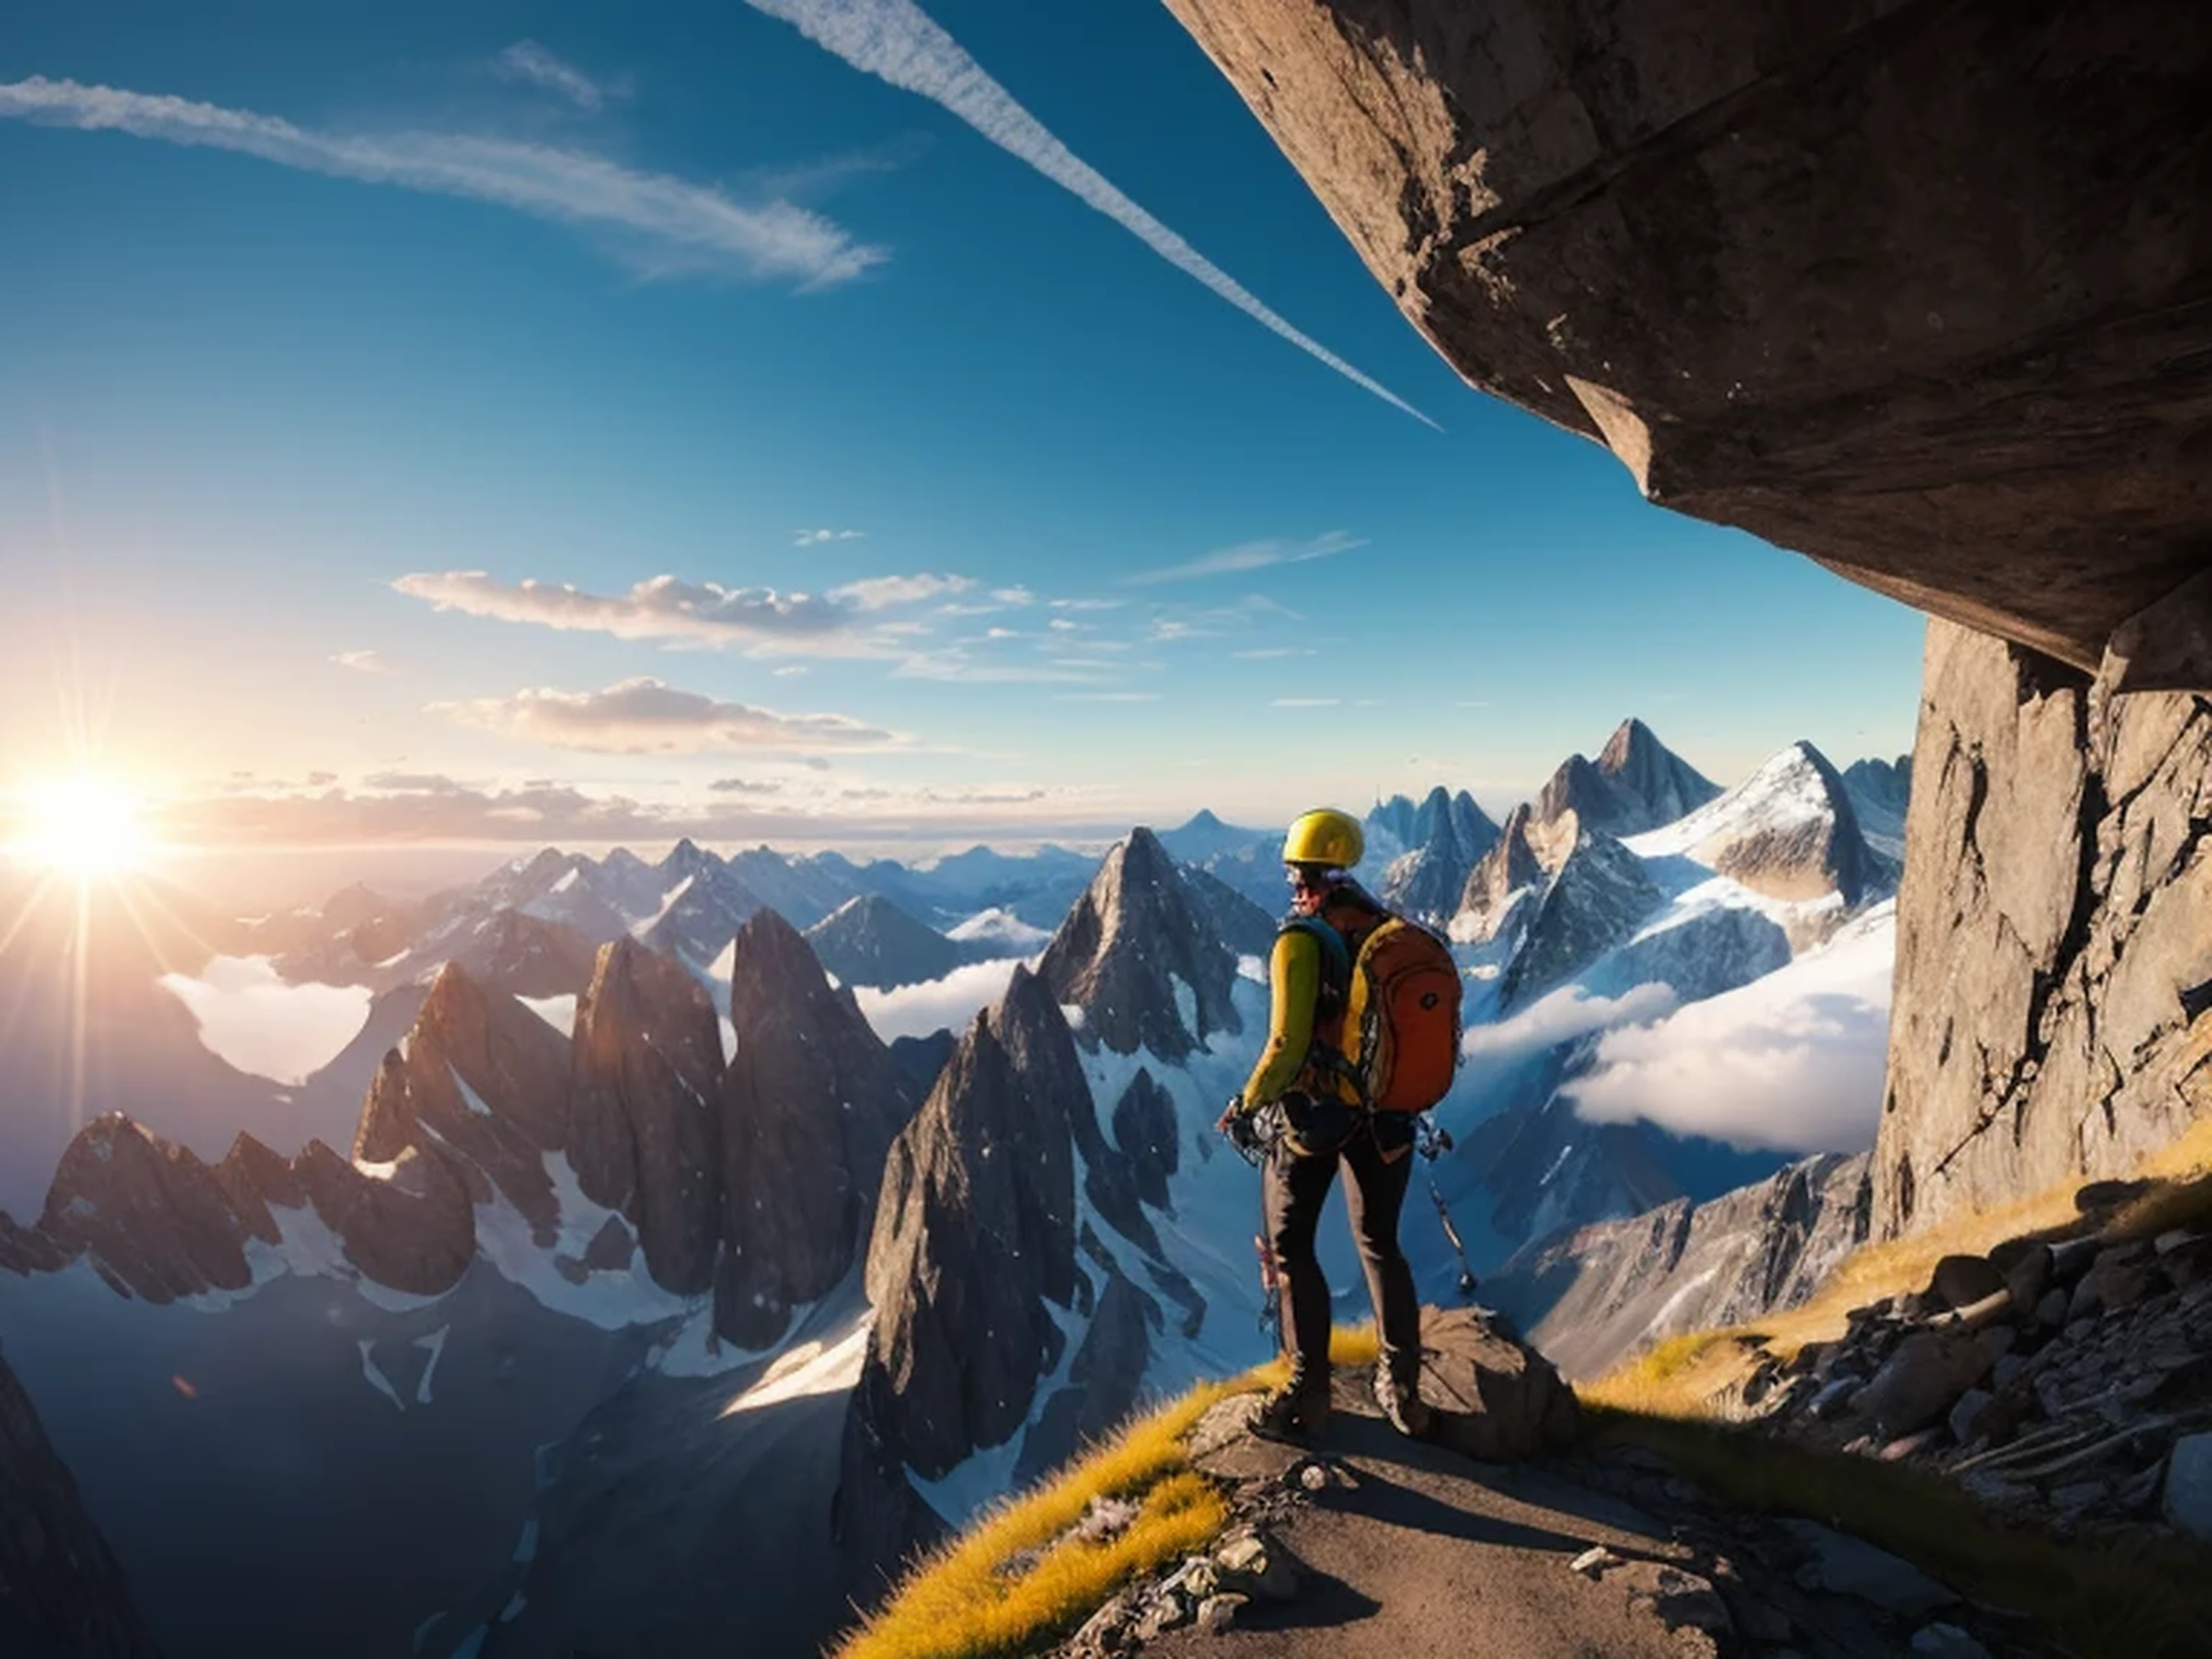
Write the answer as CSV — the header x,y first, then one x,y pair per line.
x,y
1564,1015
942,1004
251,1019
1794,1061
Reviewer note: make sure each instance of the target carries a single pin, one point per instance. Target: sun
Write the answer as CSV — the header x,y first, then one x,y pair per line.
x,y
84,826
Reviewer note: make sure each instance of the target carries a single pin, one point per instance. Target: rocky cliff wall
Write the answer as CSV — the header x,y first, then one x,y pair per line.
x,y
2053,1010
61,1594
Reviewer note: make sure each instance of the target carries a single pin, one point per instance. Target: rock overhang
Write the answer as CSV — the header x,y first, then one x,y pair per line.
x,y
1920,291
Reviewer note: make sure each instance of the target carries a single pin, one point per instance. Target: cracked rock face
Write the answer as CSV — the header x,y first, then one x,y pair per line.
x,y
2052,1014
1855,278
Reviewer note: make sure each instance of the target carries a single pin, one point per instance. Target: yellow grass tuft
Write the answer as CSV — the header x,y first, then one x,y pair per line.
x,y
1682,1375
1017,1579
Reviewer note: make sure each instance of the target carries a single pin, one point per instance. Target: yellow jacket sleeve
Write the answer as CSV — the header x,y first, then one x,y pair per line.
x,y
1295,974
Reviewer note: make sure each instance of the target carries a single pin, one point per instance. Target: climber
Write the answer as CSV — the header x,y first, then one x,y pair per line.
x,y
1318,1100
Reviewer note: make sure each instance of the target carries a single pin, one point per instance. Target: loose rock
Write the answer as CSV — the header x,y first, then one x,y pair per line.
x,y
2189,1485
1845,1565
1946,1642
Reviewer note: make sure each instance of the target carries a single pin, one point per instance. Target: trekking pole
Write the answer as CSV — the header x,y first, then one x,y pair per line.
x,y
1434,1142
1248,1136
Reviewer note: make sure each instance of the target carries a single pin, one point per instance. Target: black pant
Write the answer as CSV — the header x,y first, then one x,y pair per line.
x,y
1292,1190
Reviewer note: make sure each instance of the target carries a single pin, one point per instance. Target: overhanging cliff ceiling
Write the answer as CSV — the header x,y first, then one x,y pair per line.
x,y
1923,290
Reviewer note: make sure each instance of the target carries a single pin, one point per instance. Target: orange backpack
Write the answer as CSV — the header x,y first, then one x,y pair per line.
x,y
1404,1009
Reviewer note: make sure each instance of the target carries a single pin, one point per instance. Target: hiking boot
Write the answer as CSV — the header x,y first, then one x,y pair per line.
x,y
1402,1405
1296,1410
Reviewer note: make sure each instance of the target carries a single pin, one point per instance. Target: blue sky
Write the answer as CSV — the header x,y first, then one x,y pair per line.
x,y
632,299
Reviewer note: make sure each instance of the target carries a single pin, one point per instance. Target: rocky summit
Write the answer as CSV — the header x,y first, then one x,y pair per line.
x,y
1448,834
1136,957
642,1134
869,941
808,1107
1661,784
1790,831
1594,902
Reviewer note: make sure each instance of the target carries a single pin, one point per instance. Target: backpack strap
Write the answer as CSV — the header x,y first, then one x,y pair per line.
x,y
1335,953
1326,1055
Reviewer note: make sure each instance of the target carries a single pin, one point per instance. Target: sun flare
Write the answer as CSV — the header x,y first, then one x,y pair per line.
x,y
84,826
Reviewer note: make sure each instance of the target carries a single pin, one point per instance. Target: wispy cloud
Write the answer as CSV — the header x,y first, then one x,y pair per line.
x,y
663,224
883,592
959,664
845,620
896,41
646,716
1247,557
1304,703
1273,652
817,537
536,65
1106,696
365,662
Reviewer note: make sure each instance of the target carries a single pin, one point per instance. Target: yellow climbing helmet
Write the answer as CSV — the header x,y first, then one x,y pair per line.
x,y
1325,836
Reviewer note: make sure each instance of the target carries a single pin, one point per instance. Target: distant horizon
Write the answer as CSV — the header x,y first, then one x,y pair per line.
x,y
416,868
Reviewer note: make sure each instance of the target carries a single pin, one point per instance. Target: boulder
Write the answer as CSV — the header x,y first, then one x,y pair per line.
x,y
1843,1565
1495,1398
1967,1413
2189,1486
1919,1382
2026,1271
1959,1281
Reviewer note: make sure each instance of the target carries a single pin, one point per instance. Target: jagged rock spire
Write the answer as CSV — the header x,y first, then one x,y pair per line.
x,y
807,1109
646,1069
1132,939
1663,784
975,1234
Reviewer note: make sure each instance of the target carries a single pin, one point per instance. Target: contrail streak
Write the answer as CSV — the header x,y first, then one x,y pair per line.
x,y
896,41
